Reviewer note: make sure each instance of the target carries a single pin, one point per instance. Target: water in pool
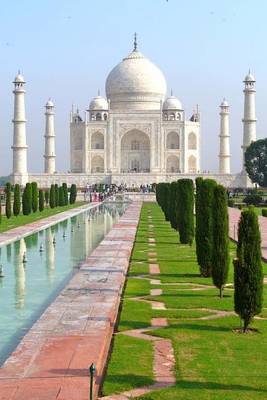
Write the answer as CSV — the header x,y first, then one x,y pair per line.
x,y
37,267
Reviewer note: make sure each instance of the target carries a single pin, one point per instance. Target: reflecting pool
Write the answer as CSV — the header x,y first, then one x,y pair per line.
x,y
37,267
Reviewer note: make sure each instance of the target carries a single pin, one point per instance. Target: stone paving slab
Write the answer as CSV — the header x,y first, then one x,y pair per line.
x,y
52,360
154,269
234,216
28,229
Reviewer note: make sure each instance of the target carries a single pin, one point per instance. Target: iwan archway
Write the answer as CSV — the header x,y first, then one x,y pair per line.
x,y
135,152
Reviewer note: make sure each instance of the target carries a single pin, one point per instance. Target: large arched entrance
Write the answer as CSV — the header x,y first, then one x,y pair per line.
x,y
135,152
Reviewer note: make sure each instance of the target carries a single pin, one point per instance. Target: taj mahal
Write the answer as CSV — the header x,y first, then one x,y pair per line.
x,y
136,135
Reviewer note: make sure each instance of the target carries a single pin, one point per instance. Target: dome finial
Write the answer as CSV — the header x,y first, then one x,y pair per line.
x,y
135,41
98,92
171,92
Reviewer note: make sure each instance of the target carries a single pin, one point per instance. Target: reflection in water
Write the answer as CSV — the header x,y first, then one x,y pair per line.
x,y
49,254
19,250
27,289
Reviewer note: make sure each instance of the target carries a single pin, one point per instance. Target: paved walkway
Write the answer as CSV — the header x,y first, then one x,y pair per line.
x,y
52,360
28,229
234,215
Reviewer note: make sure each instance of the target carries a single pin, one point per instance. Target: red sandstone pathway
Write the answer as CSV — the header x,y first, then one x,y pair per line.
x,y
52,360
234,215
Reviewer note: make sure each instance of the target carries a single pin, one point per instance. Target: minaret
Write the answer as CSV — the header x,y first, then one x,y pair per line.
x,y
224,155
249,120
20,173
49,156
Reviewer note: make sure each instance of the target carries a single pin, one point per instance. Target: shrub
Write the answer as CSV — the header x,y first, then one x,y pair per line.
x,y
204,218
52,196
16,202
240,206
253,199
34,197
73,193
8,199
46,195
231,203
220,247
56,195
41,200
185,210
248,274
264,212
27,199
66,196
61,196
172,205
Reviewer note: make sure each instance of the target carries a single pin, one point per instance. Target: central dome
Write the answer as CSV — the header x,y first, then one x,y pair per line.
x,y
135,83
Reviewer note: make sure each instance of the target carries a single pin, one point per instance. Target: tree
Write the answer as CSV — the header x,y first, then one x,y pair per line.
x,y
66,196
0,210
256,162
52,197
204,220
172,205
56,195
8,199
41,200
34,196
185,210
220,248
73,193
16,202
248,274
27,199
47,197
61,196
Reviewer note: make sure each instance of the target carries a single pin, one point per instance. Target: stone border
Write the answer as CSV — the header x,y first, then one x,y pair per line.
x,y
52,360
12,235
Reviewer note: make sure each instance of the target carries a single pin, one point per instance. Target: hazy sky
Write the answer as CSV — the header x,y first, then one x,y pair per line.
x,y
65,50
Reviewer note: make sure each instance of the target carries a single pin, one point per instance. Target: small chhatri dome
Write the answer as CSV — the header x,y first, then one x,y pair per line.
x,y
136,83
49,103
172,103
224,103
98,103
249,77
19,78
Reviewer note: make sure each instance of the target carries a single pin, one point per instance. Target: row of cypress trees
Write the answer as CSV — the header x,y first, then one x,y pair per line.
x,y
212,239
177,202
34,199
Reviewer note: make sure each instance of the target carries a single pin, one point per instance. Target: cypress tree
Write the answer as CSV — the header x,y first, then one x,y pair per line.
x,y
185,210
220,248
41,200
16,202
248,274
73,193
0,211
52,197
66,197
56,195
34,196
204,223
8,200
173,206
47,197
61,196
27,199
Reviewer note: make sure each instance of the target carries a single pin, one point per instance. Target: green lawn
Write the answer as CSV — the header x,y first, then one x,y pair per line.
x,y
212,361
21,219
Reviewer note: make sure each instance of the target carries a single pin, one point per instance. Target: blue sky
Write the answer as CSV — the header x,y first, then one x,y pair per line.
x,y
65,50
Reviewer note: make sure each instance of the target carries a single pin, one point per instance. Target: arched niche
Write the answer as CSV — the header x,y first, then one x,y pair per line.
x,y
192,141
173,164
173,140
97,141
97,164
192,164
135,152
